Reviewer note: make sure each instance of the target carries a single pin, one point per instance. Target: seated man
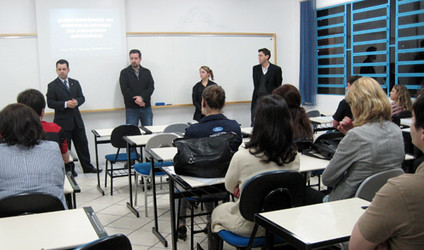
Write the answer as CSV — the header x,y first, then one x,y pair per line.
x,y
213,100
395,220
343,110
35,100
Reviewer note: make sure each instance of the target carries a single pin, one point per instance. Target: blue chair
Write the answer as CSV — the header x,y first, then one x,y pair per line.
x,y
157,141
262,193
112,242
118,142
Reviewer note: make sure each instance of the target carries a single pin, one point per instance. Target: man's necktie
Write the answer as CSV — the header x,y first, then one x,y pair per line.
x,y
66,85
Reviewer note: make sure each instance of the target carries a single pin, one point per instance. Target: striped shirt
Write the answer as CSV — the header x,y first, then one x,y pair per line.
x,y
36,169
396,109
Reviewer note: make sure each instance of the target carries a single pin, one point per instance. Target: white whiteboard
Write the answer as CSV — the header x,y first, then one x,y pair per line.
x,y
174,61
18,67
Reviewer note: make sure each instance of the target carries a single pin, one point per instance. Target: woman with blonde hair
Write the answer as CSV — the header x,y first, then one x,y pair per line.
x,y
206,73
372,143
401,100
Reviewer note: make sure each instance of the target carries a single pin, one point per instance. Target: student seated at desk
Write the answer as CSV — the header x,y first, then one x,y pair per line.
x,y
27,162
35,100
270,148
302,129
343,110
395,217
401,101
213,100
372,143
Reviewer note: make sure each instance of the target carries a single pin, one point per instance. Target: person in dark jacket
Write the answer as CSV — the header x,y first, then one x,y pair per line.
x,y
205,74
137,87
213,100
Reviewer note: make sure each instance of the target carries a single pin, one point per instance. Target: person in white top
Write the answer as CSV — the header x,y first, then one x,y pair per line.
x,y
271,147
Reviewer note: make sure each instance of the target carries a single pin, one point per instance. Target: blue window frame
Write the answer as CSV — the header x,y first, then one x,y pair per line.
x,y
383,39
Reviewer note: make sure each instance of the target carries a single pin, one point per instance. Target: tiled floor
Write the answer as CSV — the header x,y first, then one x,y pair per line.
x,y
117,218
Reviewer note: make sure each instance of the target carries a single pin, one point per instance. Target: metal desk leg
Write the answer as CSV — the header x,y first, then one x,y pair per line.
x,y
172,208
97,167
130,204
155,229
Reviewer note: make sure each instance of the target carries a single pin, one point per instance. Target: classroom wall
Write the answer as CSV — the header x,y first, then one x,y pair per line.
x,y
280,17
327,3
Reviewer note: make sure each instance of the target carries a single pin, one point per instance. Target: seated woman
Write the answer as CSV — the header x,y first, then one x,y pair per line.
x,y
28,163
271,147
372,143
302,129
401,101
213,100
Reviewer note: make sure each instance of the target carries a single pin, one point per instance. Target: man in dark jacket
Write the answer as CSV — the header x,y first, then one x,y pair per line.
x,y
266,77
137,87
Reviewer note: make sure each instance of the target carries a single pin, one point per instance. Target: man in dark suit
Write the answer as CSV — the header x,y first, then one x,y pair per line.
x,y
64,95
266,77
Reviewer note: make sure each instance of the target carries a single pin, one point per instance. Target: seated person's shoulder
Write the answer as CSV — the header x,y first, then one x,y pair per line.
x,y
50,126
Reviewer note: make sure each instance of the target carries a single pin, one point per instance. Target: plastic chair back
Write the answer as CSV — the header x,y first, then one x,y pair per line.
x,y
370,186
161,141
313,113
112,242
272,191
176,128
29,203
123,130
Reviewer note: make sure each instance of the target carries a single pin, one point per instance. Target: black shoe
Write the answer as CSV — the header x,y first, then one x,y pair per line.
x,y
182,232
74,173
91,169
126,164
205,230
199,247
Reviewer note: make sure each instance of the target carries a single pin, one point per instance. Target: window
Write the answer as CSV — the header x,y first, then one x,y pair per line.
x,y
383,39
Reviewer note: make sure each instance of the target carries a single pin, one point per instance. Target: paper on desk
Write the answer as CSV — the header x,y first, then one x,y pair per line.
x,y
322,119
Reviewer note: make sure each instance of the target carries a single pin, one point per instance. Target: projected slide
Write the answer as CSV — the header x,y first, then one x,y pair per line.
x,y
80,31
91,36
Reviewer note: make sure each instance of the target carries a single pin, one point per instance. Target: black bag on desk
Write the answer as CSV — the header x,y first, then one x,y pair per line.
x,y
325,145
207,157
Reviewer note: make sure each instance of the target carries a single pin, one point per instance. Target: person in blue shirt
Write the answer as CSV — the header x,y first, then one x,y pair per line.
x,y
213,100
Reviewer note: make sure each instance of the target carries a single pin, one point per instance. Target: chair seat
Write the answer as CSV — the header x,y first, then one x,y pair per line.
x,y
122,157
144,168
241,241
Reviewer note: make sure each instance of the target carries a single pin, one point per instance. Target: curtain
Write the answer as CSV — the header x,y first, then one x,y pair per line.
x,y
307,69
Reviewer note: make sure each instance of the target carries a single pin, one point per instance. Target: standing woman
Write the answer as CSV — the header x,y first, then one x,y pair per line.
x,y
205,74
